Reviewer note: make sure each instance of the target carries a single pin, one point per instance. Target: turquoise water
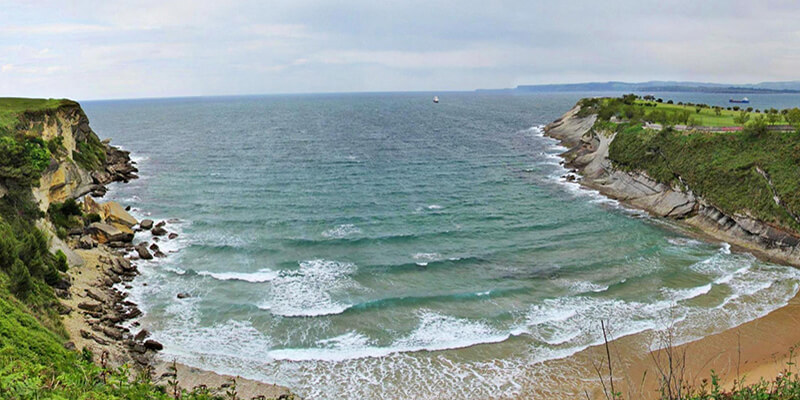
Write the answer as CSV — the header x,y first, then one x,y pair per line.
x,y
379,246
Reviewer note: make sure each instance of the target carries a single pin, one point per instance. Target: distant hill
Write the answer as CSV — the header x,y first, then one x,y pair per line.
x,y
660,86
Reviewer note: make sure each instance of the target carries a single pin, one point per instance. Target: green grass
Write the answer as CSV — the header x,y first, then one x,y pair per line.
x,y
706,116
12,107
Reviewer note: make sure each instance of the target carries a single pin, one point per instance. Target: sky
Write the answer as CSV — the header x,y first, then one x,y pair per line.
x,y
162,48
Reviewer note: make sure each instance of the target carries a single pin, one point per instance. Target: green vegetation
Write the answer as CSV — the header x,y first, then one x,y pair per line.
x,y
633,109
12,107
91,154
34,364
65,216
721,167
739,172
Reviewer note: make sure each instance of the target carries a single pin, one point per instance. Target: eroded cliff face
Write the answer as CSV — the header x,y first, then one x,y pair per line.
x,y
588,153
65,178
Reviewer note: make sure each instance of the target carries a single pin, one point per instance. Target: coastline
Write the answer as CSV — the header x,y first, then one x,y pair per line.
x,y
98,317
758,349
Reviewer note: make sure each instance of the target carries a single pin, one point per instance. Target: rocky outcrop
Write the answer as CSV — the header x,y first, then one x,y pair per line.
x,y
588,154
105,233
65,178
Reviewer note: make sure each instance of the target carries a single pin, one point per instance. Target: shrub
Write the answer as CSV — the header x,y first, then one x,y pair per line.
x,y
93,217
62,214
61,261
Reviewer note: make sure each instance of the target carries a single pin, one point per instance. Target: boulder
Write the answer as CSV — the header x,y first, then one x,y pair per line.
x,y
151,344
184,295
88,306
142,335
154,247
104,233
144,254
115,214
111,212
158,231
86,242
146,224
159,254
161,224
172,235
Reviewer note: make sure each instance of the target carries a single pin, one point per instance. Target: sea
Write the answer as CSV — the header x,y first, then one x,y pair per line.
x,y
381,246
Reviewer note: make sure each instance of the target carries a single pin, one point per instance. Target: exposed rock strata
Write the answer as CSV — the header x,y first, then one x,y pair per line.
x,y
588,153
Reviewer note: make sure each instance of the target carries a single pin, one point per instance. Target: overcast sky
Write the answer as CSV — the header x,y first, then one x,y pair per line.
x,y
159,48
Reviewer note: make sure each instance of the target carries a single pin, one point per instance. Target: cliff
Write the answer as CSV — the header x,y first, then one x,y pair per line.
x,y
676,199
85,166
64,257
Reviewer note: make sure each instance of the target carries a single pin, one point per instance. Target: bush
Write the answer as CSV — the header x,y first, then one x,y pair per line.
x,y
94,217
21,282
61,261
62,214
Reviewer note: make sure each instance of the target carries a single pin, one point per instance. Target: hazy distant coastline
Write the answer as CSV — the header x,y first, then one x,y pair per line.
x,y
658,86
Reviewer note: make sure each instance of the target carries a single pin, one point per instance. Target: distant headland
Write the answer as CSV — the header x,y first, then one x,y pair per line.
x,y
658,86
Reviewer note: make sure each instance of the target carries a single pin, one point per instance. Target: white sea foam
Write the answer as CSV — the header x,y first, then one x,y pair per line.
x,y
424,258
687,294
435,207
311,290
434,332
341,231
262,275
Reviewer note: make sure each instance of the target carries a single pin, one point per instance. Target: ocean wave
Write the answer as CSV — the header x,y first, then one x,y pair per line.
x,y
435,332
311,290
262,275
341,231
389,302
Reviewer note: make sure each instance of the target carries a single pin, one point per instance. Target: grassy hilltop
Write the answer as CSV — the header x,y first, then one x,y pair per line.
x,y
740,172
12,107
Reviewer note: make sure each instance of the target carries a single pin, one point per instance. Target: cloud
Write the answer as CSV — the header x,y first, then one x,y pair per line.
x,y
52,29
86,49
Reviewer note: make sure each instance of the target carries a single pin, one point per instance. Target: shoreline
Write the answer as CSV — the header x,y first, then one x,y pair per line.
x,y
99,317
755,350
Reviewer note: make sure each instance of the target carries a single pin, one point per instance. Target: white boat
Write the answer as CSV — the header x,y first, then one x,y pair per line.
x,y
435,99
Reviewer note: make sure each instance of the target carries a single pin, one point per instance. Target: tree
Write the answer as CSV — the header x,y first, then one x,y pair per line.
x,y
773,117
793,117
21,283
742,118
718,111
757,128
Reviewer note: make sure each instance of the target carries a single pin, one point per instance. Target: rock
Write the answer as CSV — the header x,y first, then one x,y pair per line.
x,y
151,344
154,247
94,307
159,254
161,224
144,254
112,333
64,309
128,208
146,224
87,242
75,232
104,233
62,284
92,295
183,295
158,231
142,335
172,235
70,346
114,213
